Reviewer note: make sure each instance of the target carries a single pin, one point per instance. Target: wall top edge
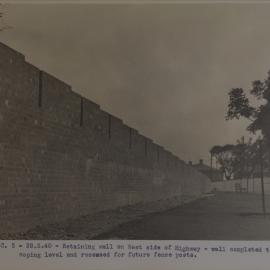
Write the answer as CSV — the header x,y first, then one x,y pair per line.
x,y
69,88
6,47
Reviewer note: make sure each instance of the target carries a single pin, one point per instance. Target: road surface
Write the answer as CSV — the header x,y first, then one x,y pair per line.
x,y
225,216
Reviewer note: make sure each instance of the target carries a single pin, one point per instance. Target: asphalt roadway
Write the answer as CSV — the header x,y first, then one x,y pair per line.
x,y
223,216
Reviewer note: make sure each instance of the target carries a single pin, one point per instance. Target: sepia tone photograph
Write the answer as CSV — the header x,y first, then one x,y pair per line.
x,y
144,121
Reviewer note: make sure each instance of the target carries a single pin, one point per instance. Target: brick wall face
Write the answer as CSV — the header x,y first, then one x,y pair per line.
x,y
62,156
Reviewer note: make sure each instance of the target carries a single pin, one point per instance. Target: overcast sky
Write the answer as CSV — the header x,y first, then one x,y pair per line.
x,y
164,69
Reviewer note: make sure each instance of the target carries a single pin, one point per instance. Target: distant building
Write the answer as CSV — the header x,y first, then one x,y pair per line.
x,y
214,174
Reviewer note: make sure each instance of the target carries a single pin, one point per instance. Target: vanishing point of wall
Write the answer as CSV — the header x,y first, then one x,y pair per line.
x,y
62,156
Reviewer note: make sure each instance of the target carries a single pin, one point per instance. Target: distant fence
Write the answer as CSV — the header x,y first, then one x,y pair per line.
x,y
251,185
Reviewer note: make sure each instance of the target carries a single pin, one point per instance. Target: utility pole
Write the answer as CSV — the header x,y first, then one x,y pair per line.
x,y
261,174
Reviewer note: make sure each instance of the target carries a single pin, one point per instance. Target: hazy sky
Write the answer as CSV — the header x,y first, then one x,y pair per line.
x,y
164,69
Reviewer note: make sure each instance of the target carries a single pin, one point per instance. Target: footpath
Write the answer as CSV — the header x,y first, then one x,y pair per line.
x,y
91,226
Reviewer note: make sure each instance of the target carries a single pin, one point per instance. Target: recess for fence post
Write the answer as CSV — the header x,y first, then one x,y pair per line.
x,y
109,126
81,116
130,138
40,88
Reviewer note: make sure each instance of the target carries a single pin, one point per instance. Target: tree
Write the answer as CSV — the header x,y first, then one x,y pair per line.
x,y
225,158
259,116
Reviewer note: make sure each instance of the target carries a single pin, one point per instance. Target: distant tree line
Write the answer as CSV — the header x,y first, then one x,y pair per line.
x,y
240,160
